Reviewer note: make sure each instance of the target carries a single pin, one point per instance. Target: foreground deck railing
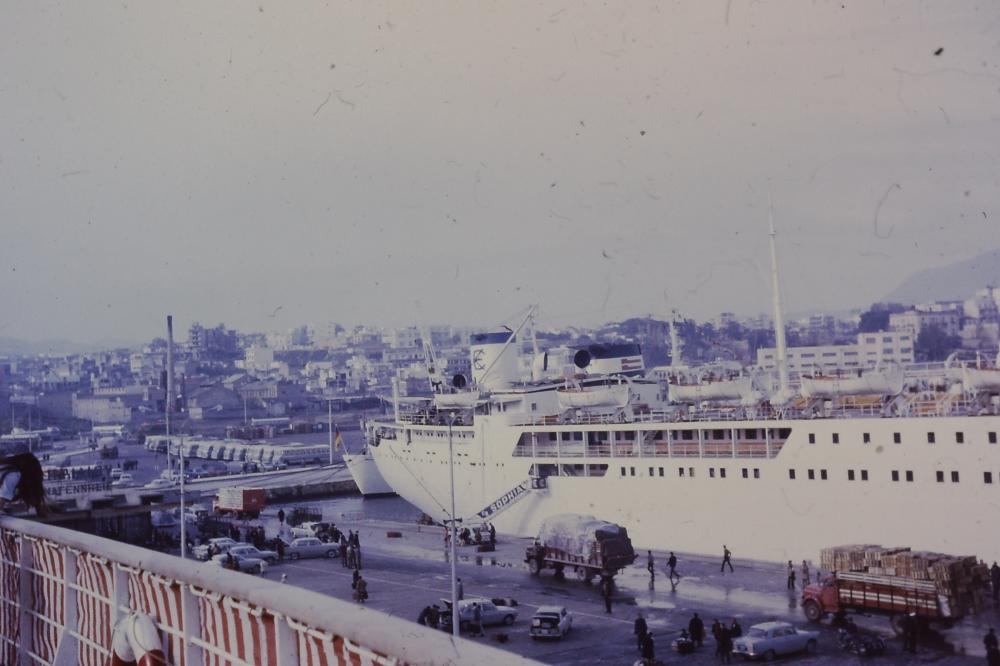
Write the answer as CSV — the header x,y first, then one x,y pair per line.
x,y
62,591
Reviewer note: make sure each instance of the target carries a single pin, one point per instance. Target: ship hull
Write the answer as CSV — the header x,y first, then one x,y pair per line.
x,y
366,475
851,491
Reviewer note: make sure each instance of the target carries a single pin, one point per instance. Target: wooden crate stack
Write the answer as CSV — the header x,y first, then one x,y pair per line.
x,y
962,580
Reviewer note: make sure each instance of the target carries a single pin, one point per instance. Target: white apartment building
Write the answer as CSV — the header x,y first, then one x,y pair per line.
x,y
914,321
871,348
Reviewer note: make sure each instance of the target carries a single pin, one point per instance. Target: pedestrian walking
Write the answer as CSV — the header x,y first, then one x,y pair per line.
x,y
735,630
640,629
477,620
791,575
909,623
716,633
343,553
995,581
648,649
460,591
650,565
725,646
990,640
606,593
355,577
696,628
281,550
726,559
672,563
805,574
361,593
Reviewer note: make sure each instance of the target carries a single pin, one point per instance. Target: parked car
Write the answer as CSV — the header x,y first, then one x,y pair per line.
x,y
243,563
246,550
309,547
159,483
550,622
123,481
220,545
769,639
310,529
490,613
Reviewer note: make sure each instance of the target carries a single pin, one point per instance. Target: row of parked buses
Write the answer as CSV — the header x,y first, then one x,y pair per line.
x,y
228,450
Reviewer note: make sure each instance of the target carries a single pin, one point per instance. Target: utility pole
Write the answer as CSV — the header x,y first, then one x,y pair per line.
x,y
454,584
329,425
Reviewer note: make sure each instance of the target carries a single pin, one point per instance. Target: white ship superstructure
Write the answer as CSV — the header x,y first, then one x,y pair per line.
x,y
773,480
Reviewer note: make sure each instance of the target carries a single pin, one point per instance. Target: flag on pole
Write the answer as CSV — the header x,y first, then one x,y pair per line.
x,y
338,440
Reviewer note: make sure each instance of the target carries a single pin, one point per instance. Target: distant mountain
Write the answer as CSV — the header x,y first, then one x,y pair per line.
x,y
15,347
952,282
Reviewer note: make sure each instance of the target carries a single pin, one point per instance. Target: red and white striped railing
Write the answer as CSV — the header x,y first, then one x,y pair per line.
x,y
62,591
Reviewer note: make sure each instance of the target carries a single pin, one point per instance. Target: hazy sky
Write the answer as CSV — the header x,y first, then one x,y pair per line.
x,y
455,161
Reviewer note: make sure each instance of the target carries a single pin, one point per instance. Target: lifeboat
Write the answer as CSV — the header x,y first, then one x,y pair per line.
x,y
981,379
461,400
718,391
615,396
889,382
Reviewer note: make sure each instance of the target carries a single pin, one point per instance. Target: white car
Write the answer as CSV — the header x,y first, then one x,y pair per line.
x,y
159,483
123,481
550,622
769,639
309,529
310,547
219,544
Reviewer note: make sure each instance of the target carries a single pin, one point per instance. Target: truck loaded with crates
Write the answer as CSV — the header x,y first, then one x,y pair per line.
x,y
244,502
583,544
897,582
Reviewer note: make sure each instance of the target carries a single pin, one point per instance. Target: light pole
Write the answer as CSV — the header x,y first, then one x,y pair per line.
x,y
454,584
329,425
183,512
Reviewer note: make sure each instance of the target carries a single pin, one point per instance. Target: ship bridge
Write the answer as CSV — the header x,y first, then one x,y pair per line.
x,y
62,592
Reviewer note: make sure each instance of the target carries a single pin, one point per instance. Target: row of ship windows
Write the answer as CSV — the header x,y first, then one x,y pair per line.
x,y
811,474
689,472
897,438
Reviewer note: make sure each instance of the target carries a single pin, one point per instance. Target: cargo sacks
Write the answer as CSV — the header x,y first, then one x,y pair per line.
x,y
961,580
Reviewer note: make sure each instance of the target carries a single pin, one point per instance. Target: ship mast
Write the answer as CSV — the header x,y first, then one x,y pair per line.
x,y
779,321
676,347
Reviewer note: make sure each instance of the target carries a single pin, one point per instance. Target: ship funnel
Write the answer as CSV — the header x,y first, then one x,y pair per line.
x,y
611,359
494,360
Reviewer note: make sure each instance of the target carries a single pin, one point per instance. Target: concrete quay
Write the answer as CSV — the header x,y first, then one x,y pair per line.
x,y
408,572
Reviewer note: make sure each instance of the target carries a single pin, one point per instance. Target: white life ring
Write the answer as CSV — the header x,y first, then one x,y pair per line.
x,y
136,642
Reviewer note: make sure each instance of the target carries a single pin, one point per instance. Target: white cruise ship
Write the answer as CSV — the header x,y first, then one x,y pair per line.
x,y
916,465
365,473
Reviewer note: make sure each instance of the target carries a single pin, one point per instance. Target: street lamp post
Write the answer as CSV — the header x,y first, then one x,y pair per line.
x,y
183,512
454,583
329,425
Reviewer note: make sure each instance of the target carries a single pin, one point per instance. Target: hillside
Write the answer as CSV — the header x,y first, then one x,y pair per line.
x,y
954,281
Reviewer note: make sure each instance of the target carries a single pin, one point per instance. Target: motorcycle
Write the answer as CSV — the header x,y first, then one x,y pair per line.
x,y
863,645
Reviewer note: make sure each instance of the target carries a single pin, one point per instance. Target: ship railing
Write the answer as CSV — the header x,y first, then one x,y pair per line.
x,y
915,408
62,591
